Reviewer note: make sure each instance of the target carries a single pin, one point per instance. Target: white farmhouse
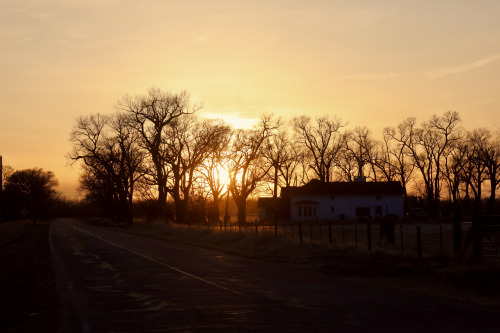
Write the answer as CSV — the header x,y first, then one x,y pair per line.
x,y
338,200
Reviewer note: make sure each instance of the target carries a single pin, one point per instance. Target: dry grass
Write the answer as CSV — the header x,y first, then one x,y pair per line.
x,y
29,300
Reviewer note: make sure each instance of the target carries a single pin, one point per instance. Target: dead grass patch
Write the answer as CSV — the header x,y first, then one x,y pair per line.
x,y
29,301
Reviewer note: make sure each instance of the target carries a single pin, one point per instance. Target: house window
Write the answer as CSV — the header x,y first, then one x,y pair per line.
x,y
309,210
315,211
300,211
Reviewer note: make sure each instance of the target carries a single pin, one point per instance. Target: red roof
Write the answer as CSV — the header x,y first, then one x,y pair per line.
x,y
317,187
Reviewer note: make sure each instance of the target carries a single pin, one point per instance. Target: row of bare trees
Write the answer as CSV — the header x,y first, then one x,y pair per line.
x,y
154,146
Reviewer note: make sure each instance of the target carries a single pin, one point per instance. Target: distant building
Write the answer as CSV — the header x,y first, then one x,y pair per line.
x,y
268,207
318,200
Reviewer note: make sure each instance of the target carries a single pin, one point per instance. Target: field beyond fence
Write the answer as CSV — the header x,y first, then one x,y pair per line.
x,y
405,239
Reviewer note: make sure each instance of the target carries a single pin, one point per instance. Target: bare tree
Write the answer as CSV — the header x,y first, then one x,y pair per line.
x,y
7,170
396,162
345,164
322,140
475,175
107,145
428,146
292,167
247,165
187,143
359,154
152,114
285,158
214,169
489,154
453,168
279,154
475,170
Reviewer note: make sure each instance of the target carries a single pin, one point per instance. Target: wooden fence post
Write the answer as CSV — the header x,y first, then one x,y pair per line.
x,y
441,239
320,234
419,242
311,230
402,244
369,236
496,244
356,235
300,232
330,232
343,236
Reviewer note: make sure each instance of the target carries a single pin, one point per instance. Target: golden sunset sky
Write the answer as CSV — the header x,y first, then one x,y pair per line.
x,y
372,63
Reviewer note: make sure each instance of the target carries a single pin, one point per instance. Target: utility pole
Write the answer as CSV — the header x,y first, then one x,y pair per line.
x,y
1,189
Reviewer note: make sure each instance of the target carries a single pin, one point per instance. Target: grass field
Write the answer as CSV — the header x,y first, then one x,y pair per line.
x,y
28,299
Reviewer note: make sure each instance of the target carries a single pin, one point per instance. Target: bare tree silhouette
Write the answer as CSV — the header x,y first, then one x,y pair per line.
x,y
187,143
248,166
323,142
113,162
152,114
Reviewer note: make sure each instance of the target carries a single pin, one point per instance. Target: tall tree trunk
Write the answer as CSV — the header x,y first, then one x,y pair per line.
x,y
476,230
241,203
180,207
431,201
493,187
476,222
162,195
216,209
182,213
457,227
275,196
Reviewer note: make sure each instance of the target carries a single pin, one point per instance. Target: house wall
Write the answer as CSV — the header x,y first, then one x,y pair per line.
x,y
345,205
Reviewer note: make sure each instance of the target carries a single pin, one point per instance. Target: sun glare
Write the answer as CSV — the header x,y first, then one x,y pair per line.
x,y
232,118
223,177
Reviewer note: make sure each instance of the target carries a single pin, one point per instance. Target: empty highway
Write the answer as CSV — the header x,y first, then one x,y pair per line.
x,y
112,281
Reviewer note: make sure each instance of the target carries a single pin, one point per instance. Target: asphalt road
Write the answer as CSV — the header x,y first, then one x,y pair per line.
x,y
117,282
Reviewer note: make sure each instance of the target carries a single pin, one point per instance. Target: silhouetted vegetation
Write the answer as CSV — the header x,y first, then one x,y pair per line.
x,y
156,148
30,299
29,194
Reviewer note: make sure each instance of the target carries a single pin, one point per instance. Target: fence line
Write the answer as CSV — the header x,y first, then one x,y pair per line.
x,y
425,240
405,239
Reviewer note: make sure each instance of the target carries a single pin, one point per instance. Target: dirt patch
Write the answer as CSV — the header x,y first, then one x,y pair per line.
x,y
29,300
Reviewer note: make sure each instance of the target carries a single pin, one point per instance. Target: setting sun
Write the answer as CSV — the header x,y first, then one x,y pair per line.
x,y
223,177
365,62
